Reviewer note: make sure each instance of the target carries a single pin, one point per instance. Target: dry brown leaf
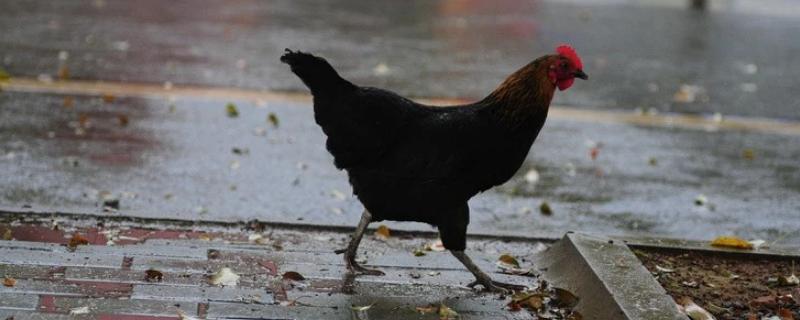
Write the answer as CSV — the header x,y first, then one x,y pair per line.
x,y
694,311
545,209
9,281
564,298
123,120
293,275
731,242
431,308
748,154
231,109
224,277
272,118
109,98
785,314
446,313
8,235
383,232
63,72
77,240
68,102
152,275
508,260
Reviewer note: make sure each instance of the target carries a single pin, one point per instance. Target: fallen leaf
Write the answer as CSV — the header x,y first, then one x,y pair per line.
x,y
79,310
293,275
183,316
545,209
652,161
700,200
564,298
436,246
785,314
224,277
594,152
758,243
575,315
382,232
63,72
240,151
419,252
9,281
123,120
446,313
431,308
532,176
77,240
748,154
152,275
108,98
272,118
231,109
731,242
507,260
791,280
663,270
361,308
68,102
8,235
694,311
687,93
4,76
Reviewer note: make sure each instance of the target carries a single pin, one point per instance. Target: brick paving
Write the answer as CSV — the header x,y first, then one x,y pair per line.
x,y
107,278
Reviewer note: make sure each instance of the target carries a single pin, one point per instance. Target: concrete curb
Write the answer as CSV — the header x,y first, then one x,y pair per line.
x,y
609,279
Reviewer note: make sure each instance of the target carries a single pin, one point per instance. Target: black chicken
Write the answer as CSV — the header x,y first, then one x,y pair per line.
x,y
412,162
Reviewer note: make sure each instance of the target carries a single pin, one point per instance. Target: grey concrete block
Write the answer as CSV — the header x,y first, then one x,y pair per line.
x,y
608,278
131,276
126,306
186,252
32,315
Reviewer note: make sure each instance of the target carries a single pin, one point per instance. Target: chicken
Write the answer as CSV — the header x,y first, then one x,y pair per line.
x,y
412,162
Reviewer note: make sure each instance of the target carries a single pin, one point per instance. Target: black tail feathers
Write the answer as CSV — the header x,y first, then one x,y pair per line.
x,y
315,72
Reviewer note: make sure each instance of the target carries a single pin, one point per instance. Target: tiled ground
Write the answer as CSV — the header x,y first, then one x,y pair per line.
x,y
106,279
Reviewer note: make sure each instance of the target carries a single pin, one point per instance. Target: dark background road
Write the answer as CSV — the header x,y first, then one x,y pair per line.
x,y
174,158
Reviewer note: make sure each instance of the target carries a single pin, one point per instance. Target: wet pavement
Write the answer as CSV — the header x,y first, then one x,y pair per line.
x,y
187,159
131,271
735,58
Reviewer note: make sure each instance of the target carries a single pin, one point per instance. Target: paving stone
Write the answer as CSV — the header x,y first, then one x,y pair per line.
x,y
32,315
132,276
147,251
18,301
202,294
32,245
12,256
21,271
70,288
125,306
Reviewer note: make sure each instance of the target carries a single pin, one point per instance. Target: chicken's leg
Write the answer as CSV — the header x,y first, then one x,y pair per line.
x,y
350,251
482,278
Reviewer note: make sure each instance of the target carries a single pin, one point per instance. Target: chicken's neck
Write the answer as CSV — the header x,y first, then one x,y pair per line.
x,y
524,97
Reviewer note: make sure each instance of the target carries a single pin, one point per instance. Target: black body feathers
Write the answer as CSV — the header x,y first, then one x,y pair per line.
x,y
411,162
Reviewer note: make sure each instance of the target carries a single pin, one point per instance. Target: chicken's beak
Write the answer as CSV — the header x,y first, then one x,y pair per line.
x,y
580,74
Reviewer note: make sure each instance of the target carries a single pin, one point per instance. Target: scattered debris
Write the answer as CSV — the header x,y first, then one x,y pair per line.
x,y
272,118
419,252
381,69
791,280
362,308
436,246
661,269
594,152
507,261
441,309
79,310
9,281
545,209
224,277
546,302
748,154
532,176
240,151
4,75
758,243
382,233
183,316
231,110
123,120
652,161
8,235
110,203
77,240
700,200
731,242
293,276
687,93
108,98
68,102
153,275
63,72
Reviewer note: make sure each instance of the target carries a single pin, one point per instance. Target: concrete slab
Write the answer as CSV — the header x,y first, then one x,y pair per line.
x,y
17,301
608,278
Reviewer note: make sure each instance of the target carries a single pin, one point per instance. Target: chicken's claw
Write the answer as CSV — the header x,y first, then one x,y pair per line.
x,y
358,269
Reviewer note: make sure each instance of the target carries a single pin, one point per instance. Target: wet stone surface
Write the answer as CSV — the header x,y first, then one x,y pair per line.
x,y
261,291
734,58
178,159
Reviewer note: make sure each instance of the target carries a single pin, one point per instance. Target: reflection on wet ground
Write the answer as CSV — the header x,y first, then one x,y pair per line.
x,y
735,58
176,159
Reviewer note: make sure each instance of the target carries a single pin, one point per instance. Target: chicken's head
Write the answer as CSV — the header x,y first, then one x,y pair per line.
x,y
566,68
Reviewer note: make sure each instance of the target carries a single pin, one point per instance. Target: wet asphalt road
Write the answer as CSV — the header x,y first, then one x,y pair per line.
x,y
739,57
178,162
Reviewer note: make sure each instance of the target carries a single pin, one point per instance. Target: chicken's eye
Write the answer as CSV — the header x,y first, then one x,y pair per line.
x,y
564,65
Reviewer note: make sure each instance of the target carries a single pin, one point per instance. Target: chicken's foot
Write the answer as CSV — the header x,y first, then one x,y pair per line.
x,y
482,278
352,248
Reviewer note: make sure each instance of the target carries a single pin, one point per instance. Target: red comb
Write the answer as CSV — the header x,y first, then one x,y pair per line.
x,y
569,53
